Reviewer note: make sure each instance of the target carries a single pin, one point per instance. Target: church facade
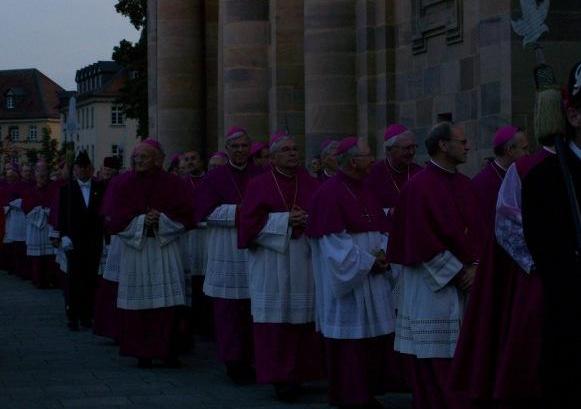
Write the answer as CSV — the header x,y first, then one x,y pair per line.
x,y
333,68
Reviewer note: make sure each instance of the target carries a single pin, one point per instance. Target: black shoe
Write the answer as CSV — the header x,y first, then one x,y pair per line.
x,y
145,363
287,392
240,373
73,326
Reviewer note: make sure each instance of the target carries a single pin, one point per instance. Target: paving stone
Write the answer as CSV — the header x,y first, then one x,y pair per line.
x,y
43,365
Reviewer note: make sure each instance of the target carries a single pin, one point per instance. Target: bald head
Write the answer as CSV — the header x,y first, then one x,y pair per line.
x,y
146,158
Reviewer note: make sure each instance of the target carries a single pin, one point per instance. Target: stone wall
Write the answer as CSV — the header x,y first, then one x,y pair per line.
x,y
332,68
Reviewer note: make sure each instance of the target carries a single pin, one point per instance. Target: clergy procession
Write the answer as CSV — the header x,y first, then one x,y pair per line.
x,y
387,276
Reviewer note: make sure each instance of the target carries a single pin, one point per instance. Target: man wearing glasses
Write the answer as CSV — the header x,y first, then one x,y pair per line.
x,y
226,281
353,294
388,176
435,247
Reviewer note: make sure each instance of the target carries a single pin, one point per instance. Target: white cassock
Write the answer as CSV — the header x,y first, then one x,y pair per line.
x,y
226,268
430,308
281,282
508,225
351,303
151,270
198,250
195,250
15,224
38,233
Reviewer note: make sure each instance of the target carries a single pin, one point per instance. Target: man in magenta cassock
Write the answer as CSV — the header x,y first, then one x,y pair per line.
x,y
435,246
273,217
226,280
509,143
389,175
150,210
354,302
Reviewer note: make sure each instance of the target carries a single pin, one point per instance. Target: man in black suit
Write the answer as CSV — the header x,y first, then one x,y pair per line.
x,y
81,231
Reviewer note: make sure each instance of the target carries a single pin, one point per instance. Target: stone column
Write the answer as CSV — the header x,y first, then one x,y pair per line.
x,y
287,70
211,51
385,69
330,86
366,69
244,65
175,72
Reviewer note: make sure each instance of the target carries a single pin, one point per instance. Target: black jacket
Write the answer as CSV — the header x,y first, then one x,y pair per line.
x,y
82,224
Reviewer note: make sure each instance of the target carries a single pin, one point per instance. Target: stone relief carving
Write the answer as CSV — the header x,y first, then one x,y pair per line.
x,y
431,18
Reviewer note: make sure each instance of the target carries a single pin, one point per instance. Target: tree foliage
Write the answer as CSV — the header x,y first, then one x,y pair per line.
x,y
49,147
133,57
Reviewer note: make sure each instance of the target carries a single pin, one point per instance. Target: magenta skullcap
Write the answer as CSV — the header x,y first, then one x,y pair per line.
x,y
256,147
346,144
278,136
394,130
503,135
235,132
154,144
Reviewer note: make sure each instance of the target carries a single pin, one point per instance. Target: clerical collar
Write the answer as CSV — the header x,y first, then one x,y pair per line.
x,y
327,173
443,168
500,166
283,173
576,149
238,167
550,150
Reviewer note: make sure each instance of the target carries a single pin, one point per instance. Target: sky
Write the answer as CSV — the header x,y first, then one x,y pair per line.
x,y
60,36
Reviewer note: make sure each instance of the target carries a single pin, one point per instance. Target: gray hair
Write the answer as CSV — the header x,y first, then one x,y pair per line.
x,y
344,159
440,132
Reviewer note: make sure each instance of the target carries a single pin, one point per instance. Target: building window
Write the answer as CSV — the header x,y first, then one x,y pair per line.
x,y
92,117
116,115
32,133
14,133
10,100
114,149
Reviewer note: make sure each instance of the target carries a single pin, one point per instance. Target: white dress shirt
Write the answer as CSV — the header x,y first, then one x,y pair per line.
x,y
85,190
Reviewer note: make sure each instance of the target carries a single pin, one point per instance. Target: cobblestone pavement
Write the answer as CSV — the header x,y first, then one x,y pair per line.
x,y
43,365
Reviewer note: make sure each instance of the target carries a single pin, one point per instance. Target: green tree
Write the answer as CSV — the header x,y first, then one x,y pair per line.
x,y
49,147
133,57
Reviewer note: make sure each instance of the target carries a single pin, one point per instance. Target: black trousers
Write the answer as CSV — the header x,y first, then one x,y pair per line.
x,y
81,285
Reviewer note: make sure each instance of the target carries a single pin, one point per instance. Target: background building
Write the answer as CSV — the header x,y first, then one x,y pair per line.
x,y
102,128
340,67
29,103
